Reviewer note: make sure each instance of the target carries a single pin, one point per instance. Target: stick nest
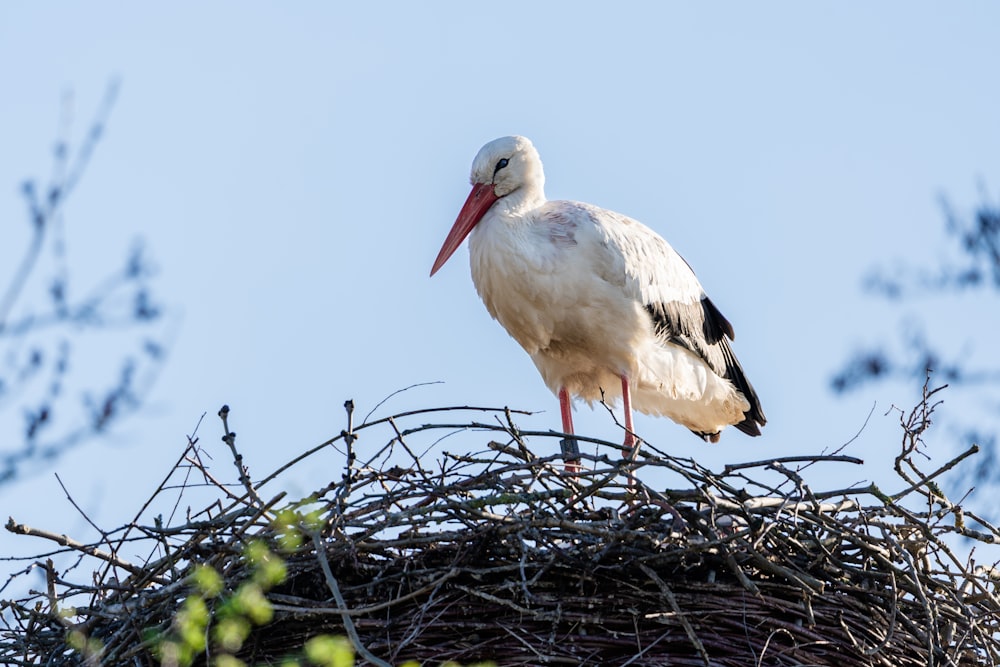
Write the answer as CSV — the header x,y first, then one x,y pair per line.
x,y
421,554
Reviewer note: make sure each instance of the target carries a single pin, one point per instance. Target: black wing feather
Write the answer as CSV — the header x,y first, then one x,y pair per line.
x,y
701,328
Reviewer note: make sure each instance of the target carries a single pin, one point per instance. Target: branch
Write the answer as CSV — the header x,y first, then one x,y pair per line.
x,y
64,541
345,617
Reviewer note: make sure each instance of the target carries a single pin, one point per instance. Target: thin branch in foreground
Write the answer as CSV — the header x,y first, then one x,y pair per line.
x,y
62,540
230,439
331,581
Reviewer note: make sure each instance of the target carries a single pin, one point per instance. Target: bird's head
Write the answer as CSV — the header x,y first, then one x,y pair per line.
x,y
508,164
505,167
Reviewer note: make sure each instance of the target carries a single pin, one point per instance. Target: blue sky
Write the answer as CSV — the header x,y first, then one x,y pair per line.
x,y
294,169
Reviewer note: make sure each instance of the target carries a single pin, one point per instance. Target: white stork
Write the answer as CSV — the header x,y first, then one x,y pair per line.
x,y
604,306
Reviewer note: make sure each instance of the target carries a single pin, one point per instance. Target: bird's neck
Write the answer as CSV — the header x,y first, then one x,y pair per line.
x,y
518,203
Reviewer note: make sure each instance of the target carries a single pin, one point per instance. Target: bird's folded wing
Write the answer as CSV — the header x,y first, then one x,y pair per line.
x,y
663,283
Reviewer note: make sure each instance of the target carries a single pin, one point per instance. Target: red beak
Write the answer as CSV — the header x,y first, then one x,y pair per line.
x,y
475,207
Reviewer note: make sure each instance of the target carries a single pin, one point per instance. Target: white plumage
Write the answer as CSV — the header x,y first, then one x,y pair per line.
x,y
600,301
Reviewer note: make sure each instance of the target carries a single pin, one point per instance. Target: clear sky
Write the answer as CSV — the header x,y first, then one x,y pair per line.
x,y
293,169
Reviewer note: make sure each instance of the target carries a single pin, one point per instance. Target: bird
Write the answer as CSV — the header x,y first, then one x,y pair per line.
x,y
604,306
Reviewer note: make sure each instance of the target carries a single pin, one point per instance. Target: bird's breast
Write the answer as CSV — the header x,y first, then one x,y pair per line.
x,y
536,277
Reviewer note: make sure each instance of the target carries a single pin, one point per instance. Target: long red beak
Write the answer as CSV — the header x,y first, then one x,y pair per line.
x,y
475,207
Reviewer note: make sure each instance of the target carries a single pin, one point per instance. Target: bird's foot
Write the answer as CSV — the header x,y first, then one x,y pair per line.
x,y
571,454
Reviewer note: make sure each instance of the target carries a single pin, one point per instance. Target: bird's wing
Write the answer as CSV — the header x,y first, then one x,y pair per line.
x,y
655,275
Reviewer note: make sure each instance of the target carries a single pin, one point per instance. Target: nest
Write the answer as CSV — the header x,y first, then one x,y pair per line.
x,y
503,555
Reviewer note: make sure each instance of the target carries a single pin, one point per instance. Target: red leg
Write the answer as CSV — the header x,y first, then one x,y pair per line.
x,y
566,410
629,431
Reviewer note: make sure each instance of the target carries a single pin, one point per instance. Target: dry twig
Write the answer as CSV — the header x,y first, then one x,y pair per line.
x,y
495,553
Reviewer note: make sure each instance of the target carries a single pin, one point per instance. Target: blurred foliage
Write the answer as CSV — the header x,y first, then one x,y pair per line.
x,y
74,358
976,265
225,617
229,617
969,268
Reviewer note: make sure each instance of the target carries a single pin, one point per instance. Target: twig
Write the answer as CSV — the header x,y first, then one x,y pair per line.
x,y
323,445
835,458
925,479
362,611
229,438
396,393
671,599
62,540
331,582
73,502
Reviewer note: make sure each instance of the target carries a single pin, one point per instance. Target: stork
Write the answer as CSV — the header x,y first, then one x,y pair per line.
x,y
604,306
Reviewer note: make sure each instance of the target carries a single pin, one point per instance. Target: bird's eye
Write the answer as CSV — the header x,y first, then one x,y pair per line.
x,y
500,165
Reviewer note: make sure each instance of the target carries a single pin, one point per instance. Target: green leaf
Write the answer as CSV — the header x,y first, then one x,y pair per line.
x,y
313,521
286,526
190,623
269,569
330,651
230,633
228,661
251,602
207,581
173,653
